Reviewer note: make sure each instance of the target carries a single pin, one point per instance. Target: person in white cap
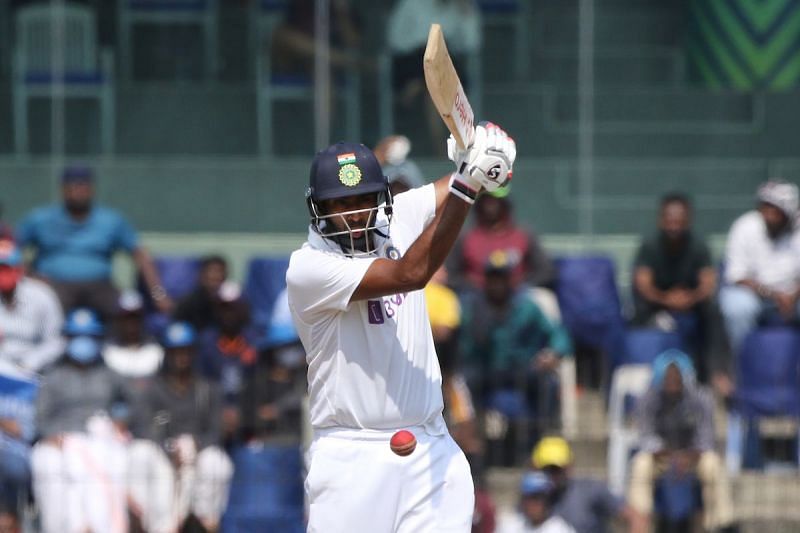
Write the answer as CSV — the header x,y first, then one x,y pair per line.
x,y
130,353
762,263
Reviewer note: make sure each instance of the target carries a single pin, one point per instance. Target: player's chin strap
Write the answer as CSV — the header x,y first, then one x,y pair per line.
x,y
363,246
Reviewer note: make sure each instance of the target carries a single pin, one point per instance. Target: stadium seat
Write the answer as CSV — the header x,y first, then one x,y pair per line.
x,y
767,388
178,277
85,72
200,13
266,491
643,345
628,384
590,307
265,279
266,16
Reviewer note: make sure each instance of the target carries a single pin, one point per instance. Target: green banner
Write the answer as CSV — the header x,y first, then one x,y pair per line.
x,y
744,44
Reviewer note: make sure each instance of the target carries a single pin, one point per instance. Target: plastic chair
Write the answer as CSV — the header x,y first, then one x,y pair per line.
x,y
265,279
767,387
643,345
201,13
628,382
266,492
41,60
272,88
590,307
179,275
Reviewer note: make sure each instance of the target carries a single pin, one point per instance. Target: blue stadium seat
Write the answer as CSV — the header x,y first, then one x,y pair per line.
x,y
643,345
587,294
767,386
266,491
179,276
265,279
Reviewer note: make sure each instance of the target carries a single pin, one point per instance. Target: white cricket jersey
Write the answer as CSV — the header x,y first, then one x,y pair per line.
x,y
371,363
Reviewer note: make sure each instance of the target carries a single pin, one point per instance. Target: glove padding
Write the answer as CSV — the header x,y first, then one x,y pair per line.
x,y
488,162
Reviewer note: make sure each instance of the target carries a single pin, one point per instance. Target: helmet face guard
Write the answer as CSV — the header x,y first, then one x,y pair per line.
x,y
351,246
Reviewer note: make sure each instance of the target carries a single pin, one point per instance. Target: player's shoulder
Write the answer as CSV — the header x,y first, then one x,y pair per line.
x,y
307,263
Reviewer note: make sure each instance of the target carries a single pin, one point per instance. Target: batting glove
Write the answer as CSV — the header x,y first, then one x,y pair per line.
x,y
486,164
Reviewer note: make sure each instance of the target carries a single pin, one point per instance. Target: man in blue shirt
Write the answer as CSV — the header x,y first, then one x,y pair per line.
x,y
75,242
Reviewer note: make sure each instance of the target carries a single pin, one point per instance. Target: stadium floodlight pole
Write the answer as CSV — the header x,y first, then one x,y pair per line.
x,y
586,118
322,75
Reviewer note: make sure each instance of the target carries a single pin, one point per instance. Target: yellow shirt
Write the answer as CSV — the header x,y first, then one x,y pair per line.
x,y
443,307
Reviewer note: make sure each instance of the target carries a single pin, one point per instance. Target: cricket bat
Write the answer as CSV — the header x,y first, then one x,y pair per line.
x,y
446,90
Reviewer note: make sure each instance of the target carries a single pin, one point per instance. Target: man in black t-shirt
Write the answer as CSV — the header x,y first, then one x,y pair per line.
x,y
674,279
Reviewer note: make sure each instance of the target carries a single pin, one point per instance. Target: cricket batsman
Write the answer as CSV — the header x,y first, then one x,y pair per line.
x,y
355,294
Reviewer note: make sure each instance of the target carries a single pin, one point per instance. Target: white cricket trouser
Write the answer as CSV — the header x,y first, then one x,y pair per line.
x,y
164,496
80,486
356,483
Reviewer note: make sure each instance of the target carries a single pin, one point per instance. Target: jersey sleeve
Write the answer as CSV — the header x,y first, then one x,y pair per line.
x,y
126,236
319,282
416,208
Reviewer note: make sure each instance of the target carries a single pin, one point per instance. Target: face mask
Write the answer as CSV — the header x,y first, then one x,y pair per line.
x,y
83,349
9,277
290,356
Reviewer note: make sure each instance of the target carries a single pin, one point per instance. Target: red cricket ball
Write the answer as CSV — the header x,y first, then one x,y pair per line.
x,y
403,443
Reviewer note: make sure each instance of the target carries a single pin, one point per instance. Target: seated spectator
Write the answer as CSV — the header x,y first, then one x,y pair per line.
x,y
674,279
227,351
6,231
129,352
534,513
762,271
197,308
509,345
403,174
496,230
407,34
585,504
17,414
75,242
180,468
79,462
30,315
676,426
293,46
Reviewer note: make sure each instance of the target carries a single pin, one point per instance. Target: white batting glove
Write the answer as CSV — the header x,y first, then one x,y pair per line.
x,y
486,164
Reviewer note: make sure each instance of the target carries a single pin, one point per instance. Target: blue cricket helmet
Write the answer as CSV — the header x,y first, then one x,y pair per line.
x,y
341,170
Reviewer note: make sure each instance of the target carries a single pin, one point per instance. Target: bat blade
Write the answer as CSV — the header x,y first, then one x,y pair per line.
x,y
446,90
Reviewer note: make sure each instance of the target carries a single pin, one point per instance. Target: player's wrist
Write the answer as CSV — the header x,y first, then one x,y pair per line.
x,y
464,187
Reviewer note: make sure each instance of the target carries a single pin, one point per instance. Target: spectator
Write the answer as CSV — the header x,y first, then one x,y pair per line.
x,y
585,504
197,308
180,468
534,514
674,279
228,352
74,245
403,173
293,46
272,399
17,414
508,344
407,35
676,428
130,352
495,229
30,315
762,271
79,462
